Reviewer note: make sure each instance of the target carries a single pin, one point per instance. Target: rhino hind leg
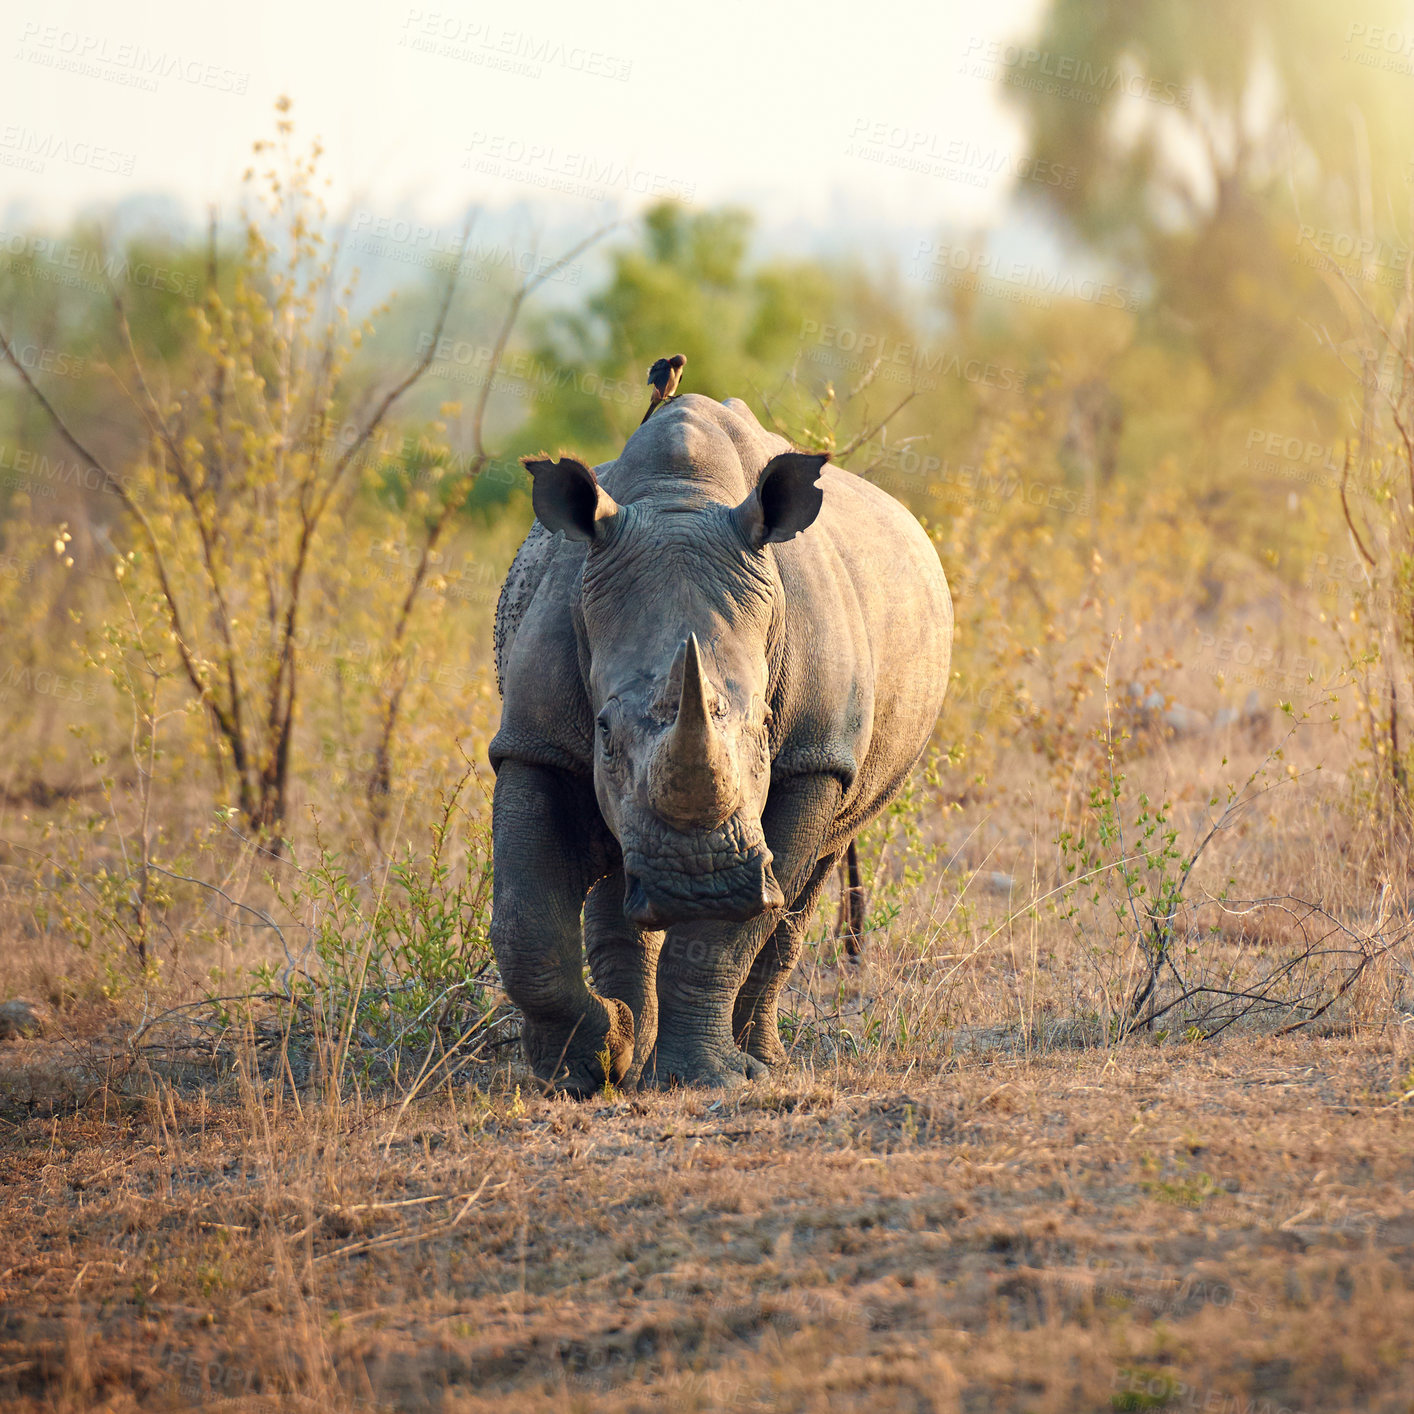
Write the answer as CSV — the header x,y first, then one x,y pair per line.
x,y
849,925
755,1021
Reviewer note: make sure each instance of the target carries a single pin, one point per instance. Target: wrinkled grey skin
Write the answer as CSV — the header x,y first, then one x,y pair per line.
x,y
709,687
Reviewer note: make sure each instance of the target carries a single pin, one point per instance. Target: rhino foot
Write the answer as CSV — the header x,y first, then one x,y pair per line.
x,y
701,1063
764,1045
573,1063
578,1079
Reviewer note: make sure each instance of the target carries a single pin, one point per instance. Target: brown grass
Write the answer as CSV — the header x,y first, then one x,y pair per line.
x,y
1144,1228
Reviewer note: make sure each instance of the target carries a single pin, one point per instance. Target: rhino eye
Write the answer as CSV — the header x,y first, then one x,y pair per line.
x,y
606,731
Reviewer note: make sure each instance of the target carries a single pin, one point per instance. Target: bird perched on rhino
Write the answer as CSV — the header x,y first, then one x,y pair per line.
x,y
664,377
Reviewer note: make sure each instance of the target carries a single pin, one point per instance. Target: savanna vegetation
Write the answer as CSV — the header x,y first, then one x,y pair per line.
x,y
1112,1111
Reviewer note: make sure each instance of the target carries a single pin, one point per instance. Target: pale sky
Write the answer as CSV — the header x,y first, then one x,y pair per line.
x,y
803,110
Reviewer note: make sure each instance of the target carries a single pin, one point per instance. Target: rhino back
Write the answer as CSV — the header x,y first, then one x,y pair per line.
x,y
867,645
707,450
522,580
545,717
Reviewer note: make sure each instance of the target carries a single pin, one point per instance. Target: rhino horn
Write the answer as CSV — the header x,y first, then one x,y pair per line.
x,y
693,781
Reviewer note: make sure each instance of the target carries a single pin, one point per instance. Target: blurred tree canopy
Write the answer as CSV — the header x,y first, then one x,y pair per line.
x,y
1242,173
1219,152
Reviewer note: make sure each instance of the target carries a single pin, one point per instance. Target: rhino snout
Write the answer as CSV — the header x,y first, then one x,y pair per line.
x,y
750,891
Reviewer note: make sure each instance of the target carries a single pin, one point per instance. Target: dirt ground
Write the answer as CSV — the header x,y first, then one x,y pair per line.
x,y
1222,1227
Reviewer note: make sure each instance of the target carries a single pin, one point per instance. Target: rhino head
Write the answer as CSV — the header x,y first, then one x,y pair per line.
x,y
678,602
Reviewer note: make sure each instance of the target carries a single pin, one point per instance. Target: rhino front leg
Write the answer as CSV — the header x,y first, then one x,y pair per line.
x,y
700,970
755,1020
623,960
547,849
703,966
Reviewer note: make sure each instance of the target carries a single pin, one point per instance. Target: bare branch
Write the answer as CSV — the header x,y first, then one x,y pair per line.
x,y
157,422
379,778
859,441
527,288
1345,506
118,487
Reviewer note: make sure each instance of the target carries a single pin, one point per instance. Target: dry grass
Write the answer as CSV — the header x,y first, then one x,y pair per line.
x,y
1143,1228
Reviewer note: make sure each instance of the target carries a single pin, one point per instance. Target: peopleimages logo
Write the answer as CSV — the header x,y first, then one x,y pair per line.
x,y
41,682
23,147
1377,37
135,65
1016,280
1066,75
1293,449
575,173
953,159
37,358
451,37
44,473
521,374
867,350
63,262
1344,245
417,242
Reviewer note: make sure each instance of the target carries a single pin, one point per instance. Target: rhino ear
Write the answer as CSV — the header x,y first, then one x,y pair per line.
x,y
786,499
567,496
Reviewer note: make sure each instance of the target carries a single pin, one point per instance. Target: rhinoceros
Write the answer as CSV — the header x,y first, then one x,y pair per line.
x,y
719,657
